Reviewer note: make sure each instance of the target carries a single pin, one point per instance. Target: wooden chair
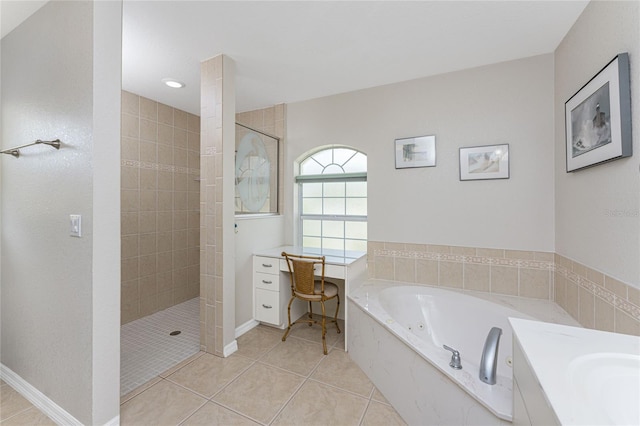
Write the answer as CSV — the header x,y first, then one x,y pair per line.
x,y
305,286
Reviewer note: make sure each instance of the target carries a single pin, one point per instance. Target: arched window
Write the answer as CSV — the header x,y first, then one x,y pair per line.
x,y
332,191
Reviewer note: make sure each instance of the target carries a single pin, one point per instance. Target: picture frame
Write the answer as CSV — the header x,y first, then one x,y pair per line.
x,y
484,162
419,151
598,118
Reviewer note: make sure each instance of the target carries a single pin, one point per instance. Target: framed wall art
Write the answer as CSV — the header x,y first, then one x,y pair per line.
x,y
484,162
598,118
419,151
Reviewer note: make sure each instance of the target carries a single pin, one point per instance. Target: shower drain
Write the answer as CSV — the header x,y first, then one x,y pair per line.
x,y
175,333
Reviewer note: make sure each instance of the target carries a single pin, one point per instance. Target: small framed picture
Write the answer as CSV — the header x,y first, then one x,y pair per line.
x,y
419,151
598,118
484,162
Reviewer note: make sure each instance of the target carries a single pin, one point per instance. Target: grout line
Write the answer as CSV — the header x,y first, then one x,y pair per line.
x,y
295,392
364,413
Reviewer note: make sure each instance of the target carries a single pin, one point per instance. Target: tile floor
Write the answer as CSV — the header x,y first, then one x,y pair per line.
x,y
147,349
16,410
267,382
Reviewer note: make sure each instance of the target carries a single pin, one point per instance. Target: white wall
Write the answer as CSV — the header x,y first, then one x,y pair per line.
x,y
253,234
509,102
60,296
597,222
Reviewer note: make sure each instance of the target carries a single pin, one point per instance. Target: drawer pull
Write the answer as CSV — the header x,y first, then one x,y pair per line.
x,y
267,282
265,265
267,306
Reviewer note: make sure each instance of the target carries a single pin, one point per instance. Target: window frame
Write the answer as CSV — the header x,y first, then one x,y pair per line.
x,y
300,180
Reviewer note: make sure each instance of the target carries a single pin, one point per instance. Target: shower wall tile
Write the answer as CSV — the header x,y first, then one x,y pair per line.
x,y
159,196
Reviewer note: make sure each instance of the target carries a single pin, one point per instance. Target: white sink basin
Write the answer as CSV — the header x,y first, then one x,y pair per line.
x,y
606,388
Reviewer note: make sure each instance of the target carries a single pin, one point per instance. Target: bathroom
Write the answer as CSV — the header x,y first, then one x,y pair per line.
x,y
540,213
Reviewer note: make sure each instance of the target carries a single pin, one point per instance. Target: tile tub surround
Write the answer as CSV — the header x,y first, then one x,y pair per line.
x,y
594,299
160,162
509,272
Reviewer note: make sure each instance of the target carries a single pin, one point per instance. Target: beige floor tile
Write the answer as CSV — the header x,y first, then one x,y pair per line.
x,y
338,370
378,396
260,392
339,344
314,333
296,355
379,414
30,417
11,402
209,373
164,403
181,364
213,414
258,341
319,404
139,390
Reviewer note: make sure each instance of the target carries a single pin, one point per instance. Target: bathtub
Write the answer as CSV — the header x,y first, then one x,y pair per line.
x,y
396,333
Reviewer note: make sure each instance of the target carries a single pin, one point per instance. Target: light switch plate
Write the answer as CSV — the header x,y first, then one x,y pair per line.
x,y
75,225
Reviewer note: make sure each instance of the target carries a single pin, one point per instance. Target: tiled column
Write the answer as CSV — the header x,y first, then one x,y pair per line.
x,y
217,272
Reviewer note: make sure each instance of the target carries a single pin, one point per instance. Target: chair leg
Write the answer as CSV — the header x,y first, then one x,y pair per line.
x,y
324,328
310,314
335,318
286,333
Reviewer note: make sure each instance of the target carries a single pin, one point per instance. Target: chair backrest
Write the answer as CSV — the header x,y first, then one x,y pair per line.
x,y
302,272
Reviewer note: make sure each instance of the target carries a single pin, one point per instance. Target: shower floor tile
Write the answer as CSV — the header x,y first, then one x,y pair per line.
x,y
147,349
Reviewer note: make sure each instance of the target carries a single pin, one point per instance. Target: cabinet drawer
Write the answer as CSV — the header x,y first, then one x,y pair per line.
x,y
266,265
268,306
267,281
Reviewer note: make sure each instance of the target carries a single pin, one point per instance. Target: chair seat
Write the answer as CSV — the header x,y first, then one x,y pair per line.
x,y
330,290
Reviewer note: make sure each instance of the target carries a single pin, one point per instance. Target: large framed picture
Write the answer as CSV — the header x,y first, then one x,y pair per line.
x,y
598,118
484,162
419,151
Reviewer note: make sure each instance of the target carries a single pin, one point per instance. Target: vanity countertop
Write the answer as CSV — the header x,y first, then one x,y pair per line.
x,y
332,257
588,376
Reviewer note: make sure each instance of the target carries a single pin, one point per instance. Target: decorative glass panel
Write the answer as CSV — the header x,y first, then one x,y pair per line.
x,y
256,172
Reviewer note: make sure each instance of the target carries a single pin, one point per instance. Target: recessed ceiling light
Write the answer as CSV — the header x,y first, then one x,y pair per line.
x,y
173,83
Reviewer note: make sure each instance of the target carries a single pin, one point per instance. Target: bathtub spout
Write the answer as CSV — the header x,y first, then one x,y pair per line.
x,y
489,360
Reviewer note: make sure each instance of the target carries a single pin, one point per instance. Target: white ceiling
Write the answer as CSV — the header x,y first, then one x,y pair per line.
x,y
297,50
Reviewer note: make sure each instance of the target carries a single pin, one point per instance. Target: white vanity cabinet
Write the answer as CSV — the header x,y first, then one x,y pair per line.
x,y
271,293
530,405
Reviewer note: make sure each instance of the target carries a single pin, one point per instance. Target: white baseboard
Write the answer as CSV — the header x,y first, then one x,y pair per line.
x,y
246,327
230,348
113,422
40,400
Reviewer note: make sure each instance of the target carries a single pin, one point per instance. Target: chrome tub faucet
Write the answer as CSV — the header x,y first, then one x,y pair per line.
x,y
489,360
